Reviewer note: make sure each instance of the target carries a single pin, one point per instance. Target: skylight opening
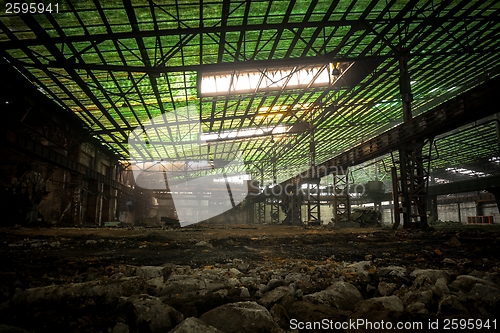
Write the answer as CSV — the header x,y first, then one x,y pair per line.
x,y
249,81
244,133
468,172
495,159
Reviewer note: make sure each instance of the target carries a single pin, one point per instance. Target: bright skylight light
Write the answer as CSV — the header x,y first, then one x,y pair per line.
x,y
263,80
245,133
467,172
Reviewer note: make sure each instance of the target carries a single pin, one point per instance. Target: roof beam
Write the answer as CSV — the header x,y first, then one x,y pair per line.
x,y
461,110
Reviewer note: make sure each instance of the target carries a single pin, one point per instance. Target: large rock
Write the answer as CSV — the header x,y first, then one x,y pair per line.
x,y
274,296
449,305
182,286
309,312
150,272
109,289
241,317
390,303
440,288
121,328
421,296
386,289
396,271
488,294
422,282
361,268
11,329
194,325
433,274
280,316
340,295
148,314
417,307
386,308
466,282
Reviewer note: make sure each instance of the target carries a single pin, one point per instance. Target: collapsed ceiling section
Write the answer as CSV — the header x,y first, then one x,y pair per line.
x,y
283,83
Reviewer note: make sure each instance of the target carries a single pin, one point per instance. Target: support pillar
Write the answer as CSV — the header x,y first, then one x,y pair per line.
x,y
496,192
313,201
291,204
413,174
433,208
260,212
274,199
342,205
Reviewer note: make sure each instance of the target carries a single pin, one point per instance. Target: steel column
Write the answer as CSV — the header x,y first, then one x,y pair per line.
x,y
341,202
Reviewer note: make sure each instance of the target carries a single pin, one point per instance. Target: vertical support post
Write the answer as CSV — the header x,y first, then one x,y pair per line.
x,y
274,199
433,208
313,201
261,205
313,192
414,176
396,193
459,213
342,205
291,204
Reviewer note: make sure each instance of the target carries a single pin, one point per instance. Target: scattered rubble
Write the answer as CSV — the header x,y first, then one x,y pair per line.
x,y
259,295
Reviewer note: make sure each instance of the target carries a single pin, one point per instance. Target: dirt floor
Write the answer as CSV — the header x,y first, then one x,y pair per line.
x,y
34,257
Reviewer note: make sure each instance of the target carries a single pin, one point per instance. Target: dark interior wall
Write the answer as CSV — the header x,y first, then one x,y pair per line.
x,y
30,182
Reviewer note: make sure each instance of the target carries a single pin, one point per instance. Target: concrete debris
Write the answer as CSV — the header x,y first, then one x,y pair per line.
x,y
121,328
467,282
417,307
194,325
441,287
386,289
11,329
450,305
390,303
244,293
149,314
340,295
392,271
487,294
150,272
234,295
274,296
433,274
203,243
109,289
280,316
453,241
242,317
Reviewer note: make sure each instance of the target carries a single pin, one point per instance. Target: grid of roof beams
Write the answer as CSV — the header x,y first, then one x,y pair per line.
x,y
118,64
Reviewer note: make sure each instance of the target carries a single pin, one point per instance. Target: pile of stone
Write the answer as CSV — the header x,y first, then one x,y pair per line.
x,y
268,297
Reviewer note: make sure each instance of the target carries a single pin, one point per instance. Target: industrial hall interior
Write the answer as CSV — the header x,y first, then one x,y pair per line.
x,y
296,166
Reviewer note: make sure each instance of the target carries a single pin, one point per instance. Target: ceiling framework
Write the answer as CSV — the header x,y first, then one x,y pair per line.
x,y
120,64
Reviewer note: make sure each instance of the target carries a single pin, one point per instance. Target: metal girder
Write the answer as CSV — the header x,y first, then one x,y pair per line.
x,y
478,103
240,28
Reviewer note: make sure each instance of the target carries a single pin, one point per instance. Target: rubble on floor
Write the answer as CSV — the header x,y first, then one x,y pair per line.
x,y
186,299
257,295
